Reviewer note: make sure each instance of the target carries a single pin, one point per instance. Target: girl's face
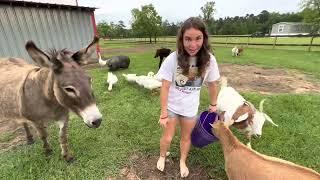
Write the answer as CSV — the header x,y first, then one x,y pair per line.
x,y
192,41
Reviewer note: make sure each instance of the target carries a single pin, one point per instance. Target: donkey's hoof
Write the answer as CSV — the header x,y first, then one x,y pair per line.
x,y
69,158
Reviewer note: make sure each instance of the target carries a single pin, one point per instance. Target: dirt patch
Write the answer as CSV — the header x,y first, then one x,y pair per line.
x,y
251,78
144,167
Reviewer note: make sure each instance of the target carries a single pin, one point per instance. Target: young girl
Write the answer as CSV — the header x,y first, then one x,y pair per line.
x,y
182,75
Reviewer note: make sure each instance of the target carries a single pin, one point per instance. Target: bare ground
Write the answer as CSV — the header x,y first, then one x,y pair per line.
x,y
242,77
144,167
251,78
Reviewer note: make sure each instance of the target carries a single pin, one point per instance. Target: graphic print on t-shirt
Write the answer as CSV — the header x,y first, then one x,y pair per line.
x,y
190,82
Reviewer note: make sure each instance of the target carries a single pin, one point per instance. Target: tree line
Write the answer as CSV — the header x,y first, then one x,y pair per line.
x,y
147,23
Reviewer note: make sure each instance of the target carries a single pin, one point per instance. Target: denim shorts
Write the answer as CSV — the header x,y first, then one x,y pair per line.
x,y
178,116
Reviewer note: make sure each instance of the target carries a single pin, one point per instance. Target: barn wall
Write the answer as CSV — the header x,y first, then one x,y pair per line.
x,y
47,27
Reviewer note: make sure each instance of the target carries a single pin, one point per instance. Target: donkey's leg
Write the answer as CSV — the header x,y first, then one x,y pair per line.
x,y
63,138
28,134
42,130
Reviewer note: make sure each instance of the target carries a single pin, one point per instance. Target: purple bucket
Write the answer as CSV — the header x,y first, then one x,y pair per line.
x,y
202,133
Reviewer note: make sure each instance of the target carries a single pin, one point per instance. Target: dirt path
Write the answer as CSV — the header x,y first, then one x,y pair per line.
x,y
144,167
268,81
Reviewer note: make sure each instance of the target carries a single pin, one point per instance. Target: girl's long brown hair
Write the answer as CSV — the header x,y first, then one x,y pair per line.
x,y
203,55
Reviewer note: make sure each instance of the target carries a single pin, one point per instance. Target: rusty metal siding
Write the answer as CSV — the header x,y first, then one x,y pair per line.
x,y
47,27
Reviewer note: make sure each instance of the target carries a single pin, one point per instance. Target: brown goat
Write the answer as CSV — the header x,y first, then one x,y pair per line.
x,y
242,163
38,94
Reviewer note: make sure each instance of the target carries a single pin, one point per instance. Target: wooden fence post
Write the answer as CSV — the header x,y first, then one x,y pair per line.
x,y
227,42
248,41
310,45
274,42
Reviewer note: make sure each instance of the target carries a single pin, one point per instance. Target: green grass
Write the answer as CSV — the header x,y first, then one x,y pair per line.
x,y
306,62
6,137
131,125
225,41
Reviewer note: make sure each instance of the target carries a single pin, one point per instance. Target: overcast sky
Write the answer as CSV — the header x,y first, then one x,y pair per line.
x,y
179,10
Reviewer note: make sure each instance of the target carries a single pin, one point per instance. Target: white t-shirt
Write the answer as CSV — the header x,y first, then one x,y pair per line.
x,y
184,92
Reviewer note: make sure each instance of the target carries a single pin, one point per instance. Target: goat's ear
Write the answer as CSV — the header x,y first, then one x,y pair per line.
x,y
38,56
82,56
242,117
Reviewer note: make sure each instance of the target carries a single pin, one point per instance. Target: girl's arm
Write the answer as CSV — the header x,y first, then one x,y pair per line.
x,y
164,91
213,93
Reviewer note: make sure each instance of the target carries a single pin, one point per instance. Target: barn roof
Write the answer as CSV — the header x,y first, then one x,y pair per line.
x,y
44,5
292,23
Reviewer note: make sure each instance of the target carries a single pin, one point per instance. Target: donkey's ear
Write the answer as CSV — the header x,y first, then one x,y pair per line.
x,y
82,56
38,56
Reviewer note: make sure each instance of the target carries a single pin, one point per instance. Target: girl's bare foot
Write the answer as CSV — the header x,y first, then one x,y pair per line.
x,y
161,163
184,171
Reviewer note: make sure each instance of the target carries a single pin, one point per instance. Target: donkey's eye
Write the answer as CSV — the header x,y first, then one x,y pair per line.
x,y
71,91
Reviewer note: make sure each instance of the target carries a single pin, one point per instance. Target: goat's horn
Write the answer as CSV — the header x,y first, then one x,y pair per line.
x,y
269,119
261,105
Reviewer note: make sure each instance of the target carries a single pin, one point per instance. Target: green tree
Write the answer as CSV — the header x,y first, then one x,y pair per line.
x,y
103,29
169,29
146,22
311,13
120,29
208,11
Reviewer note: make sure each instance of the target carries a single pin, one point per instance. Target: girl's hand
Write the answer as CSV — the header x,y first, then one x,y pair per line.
x,y
163,121
212,108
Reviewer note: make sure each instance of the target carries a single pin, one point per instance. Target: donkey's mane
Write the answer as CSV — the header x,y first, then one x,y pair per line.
x,y
54,53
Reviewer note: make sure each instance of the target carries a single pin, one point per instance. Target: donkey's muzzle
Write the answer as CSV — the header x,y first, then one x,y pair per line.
x,y
96,123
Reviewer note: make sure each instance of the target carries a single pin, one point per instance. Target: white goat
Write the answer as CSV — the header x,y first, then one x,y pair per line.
x,y
246,117
235,51
112,79
243,163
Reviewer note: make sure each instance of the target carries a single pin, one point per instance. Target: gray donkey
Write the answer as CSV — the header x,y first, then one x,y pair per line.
x,y
38,94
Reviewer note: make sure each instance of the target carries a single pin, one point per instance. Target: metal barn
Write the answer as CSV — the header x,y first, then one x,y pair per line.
x,y
48,25
290,28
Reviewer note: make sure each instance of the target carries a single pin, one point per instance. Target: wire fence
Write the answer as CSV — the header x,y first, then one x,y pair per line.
x,y
292,42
